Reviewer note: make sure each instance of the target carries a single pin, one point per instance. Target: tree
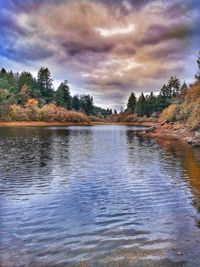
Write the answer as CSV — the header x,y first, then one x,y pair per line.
x,y
131,103
115,111
184,89
87,104
174,86
45,84
24,94
165,91
151,104
140,108
8,81
62,95
25,78
76,104
197,76
3,72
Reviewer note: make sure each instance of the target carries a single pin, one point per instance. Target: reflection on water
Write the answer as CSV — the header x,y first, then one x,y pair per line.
x,y
97,196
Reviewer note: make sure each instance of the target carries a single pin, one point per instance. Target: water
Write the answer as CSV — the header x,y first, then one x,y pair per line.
x,y
97,196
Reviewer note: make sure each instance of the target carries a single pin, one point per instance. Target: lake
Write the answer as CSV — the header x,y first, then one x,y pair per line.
x,y
97,196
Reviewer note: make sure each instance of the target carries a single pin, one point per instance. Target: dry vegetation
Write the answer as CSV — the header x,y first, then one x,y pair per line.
x,y
126,117
187,112
49,113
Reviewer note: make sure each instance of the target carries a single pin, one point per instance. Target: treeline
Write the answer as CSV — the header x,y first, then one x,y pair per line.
x,y
152,104
19,89
186,111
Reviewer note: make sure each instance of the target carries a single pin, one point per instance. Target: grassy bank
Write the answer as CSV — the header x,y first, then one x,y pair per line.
x,y
61,124
40,124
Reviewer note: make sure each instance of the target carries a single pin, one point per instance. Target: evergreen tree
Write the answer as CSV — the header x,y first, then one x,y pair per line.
x,y
131,103
174,86
165,91
115,111
62,95
87,104
197,76
76,102
8,81
184,88
140,108
45,84
151,104
25,78
3,72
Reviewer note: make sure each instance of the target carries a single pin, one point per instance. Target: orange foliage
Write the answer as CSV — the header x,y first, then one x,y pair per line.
x,y
31,103
169,113
49,113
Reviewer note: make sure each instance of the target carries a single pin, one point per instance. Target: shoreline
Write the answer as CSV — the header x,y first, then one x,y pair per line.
x,y
63,124
40,124
174,131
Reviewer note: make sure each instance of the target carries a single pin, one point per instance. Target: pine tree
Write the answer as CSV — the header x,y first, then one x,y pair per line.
x,y
76,102
62,95
165,91
45,84
131,103
184,88
87,104
140,108
151,104
174,86
25,78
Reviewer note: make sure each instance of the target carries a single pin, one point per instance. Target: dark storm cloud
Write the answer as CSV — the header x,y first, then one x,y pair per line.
x,y
159,33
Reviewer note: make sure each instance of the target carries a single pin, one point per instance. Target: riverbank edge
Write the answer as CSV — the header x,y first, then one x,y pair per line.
x,y
175,131
63,124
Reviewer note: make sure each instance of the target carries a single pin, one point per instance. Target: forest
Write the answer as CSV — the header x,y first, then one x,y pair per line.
x,y
23,97
26,98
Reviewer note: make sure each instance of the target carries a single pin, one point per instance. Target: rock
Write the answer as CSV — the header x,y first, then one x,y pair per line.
x,y
197,135
189,140
164,122
196,143
195,140
151,129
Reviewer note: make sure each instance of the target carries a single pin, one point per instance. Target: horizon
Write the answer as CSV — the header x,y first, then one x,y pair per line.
x,y
136,47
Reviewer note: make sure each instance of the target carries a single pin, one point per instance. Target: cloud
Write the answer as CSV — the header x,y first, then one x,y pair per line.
x,y
107,47
116,31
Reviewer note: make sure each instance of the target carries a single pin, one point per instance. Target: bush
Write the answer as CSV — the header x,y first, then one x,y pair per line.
x,y
170,113
96,119
194,119
18,113
132,118
188,111
49,113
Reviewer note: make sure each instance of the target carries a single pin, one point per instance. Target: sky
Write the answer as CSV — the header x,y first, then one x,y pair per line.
x,y
107,48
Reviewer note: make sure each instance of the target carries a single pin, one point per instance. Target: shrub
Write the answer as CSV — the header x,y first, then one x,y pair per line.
x,y
170,113
96,119
132,118
188,111
18,113
194,119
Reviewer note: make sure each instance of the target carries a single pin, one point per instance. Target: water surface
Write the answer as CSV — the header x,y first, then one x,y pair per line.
x,y
97,196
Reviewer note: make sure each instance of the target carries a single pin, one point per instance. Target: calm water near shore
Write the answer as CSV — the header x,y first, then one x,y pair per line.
x,y
97,196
